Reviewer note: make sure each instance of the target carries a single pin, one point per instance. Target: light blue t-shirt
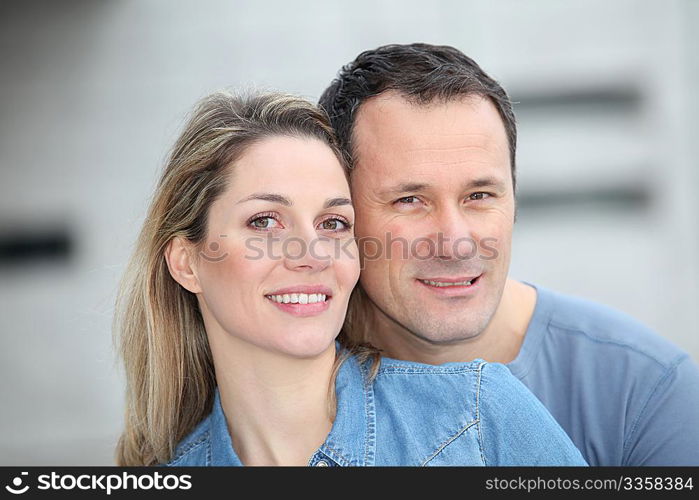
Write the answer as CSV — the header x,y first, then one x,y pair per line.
x,y
625,395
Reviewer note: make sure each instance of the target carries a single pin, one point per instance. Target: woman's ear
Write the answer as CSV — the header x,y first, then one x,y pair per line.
x,y
181,264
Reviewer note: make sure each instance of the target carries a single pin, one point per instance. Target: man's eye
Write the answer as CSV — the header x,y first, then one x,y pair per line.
x,y
408,200
479,196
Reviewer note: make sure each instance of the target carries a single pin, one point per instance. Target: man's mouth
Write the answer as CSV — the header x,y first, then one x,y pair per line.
x,y
450,282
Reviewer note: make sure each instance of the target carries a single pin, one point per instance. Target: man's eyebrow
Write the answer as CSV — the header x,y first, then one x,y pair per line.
x,y
404,187
420,186
484,182
272,197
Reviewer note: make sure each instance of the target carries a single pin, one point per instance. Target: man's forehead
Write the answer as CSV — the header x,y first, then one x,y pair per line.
x,y
413,137
392,103
472,121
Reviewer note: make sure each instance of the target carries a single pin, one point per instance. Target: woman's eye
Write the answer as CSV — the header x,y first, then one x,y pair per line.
x,y
264,222
335,225
407,200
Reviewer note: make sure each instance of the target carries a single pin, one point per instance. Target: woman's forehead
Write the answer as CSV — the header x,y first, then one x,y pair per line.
x,y
291,166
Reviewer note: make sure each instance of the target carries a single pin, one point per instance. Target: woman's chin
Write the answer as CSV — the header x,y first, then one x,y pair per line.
x,y
307,344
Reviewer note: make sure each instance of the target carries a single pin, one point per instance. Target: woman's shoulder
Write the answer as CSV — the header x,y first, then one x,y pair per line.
x,y
464,377
429,414
471,413
209,444
477,372
516,428
433,383
194,448
392,366
398,379
459,375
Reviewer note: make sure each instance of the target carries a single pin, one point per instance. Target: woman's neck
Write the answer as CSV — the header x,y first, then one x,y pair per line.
x,y
277,407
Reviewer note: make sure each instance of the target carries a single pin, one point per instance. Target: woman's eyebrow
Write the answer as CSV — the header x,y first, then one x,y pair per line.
x,y
336,202
283,200
272,197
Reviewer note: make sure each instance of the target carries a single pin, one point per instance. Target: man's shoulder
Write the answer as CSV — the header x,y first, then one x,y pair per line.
x,y
629,379
602,328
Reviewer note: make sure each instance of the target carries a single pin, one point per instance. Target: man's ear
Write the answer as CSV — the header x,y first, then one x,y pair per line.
x,y
181,264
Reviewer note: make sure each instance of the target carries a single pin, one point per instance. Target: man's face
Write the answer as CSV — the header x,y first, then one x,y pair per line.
x,y
433,184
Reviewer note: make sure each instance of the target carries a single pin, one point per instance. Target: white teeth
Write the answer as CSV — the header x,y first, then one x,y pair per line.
x,y
298,298
440,284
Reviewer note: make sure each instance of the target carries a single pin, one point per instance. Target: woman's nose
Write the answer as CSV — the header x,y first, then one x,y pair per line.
x,y
306,251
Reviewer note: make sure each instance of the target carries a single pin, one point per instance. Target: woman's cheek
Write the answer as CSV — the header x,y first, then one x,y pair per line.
x,y
348,262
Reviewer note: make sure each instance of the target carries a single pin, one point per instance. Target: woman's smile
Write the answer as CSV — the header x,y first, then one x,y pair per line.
x,y
301,300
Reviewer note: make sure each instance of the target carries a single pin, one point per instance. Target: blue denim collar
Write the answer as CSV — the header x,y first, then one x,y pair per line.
x,y
222,452
352,438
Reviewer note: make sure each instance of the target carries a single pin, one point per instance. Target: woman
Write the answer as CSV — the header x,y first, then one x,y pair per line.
x,y
229,312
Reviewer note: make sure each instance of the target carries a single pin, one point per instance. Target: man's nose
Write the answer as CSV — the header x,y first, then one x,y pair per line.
x,y
452,236
304,250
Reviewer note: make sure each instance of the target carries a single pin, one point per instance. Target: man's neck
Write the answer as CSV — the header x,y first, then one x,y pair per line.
x,y
277,410
499,342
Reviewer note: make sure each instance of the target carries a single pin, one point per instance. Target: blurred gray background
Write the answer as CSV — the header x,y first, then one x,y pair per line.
x,y
93,93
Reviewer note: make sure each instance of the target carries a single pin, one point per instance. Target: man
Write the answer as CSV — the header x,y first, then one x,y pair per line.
x,y
431,141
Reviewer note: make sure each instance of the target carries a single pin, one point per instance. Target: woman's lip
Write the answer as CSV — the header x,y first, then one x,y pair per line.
x,y
303,310
309,289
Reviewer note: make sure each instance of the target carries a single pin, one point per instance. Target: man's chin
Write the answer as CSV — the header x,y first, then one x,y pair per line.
x,y
442,336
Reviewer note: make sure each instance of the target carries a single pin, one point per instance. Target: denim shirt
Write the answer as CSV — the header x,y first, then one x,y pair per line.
x,y
414,414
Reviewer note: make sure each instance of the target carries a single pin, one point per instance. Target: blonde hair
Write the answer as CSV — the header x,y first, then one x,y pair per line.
x,y
158,329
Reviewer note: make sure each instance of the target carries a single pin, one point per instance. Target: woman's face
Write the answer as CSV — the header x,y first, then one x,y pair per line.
x,y
280,260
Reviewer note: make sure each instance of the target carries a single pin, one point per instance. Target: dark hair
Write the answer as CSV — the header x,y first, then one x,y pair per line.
x,y
421,73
